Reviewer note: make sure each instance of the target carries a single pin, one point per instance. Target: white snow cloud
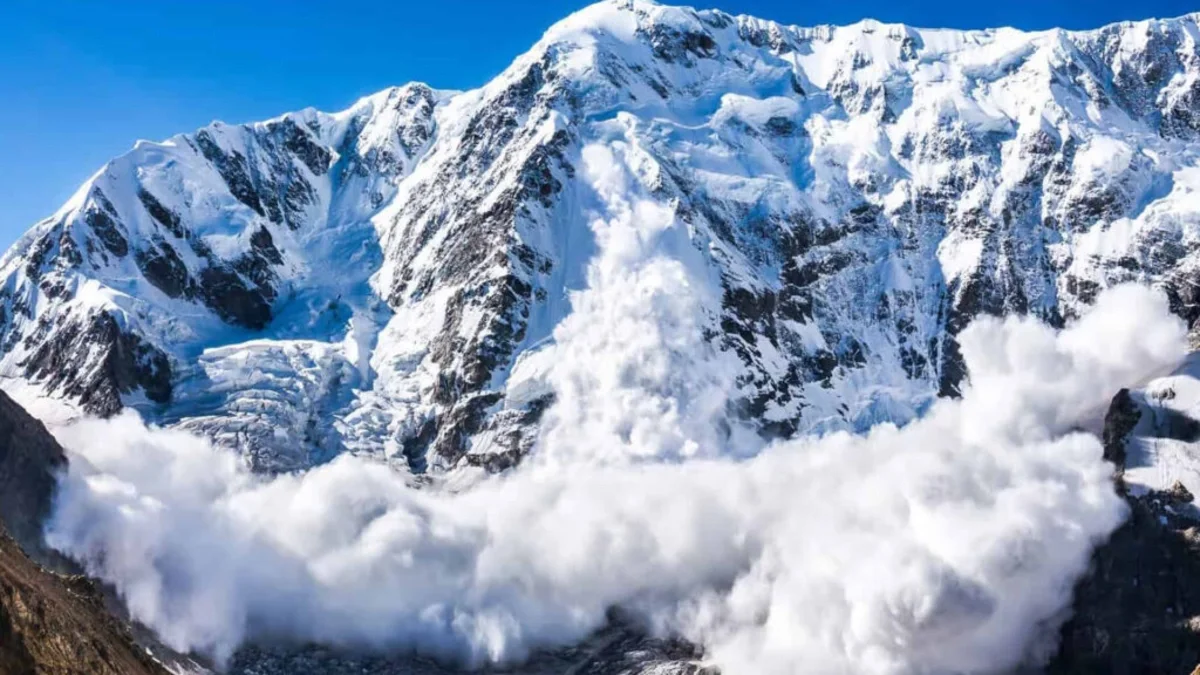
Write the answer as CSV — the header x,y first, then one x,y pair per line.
x,y
634,375
949,545
943,546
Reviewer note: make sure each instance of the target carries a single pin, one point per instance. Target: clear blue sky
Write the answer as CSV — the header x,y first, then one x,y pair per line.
x,y
81,80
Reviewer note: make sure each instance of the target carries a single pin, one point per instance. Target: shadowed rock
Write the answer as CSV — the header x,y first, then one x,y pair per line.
x,y
1138,610
49,623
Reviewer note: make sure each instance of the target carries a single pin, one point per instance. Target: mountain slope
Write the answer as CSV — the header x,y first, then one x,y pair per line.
x,y
816,212
49,623
55,624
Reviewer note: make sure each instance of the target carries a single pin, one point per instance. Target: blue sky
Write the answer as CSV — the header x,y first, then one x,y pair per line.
x,y
81,80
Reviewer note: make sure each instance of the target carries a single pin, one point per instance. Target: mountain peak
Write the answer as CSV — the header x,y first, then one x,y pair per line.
x,y
660,234
854,194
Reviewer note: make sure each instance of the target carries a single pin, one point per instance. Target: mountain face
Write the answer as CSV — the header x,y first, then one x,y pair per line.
x,y
1143,575
401,278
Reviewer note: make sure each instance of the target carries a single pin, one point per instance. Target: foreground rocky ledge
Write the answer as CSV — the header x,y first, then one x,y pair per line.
x,y
58,624
1138,610
49,623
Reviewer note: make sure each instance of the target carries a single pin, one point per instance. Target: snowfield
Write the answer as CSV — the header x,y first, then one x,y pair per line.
x,y
1164,447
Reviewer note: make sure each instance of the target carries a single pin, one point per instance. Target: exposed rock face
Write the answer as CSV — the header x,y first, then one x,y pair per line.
x,y
127,364
1138,610
30,458
375,280
49,624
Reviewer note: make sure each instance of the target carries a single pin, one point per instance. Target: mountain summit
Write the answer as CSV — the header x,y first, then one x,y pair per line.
x,y
817,211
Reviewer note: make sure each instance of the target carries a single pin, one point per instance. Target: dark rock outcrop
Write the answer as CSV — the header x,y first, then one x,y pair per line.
x,y
49,623
1119,421
29,460
1138,610
619,648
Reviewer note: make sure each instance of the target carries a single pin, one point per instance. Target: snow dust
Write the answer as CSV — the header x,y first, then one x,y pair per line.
x,y
948,545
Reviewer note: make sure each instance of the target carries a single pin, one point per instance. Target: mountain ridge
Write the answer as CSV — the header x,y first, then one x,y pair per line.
x,y
398,267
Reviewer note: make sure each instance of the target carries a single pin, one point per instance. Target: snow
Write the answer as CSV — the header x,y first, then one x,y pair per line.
x,y
1102,157
402,228
946,546
959,257
1163,448
49,410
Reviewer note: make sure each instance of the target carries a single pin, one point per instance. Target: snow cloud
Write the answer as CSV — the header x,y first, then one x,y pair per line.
x,y
948,545
635,378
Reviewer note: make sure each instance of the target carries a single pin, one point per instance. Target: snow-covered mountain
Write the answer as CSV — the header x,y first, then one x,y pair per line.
x,y
836,203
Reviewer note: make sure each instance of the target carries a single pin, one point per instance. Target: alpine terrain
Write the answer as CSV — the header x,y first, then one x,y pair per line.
x,y
285,358
387,280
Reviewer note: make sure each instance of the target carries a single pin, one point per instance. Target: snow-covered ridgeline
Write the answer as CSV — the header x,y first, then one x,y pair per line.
x,y
389,279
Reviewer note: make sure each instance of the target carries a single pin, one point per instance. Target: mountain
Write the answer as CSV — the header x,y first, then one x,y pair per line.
x,y
1143,576
827,207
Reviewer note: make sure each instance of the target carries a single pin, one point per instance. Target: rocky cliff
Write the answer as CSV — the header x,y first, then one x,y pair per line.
x,y
50,624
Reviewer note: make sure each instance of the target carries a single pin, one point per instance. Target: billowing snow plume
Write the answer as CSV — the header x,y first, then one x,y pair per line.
x,y
633,373
949,545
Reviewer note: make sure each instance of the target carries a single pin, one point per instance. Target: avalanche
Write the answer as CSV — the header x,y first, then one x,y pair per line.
x,y
947,546
779,339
